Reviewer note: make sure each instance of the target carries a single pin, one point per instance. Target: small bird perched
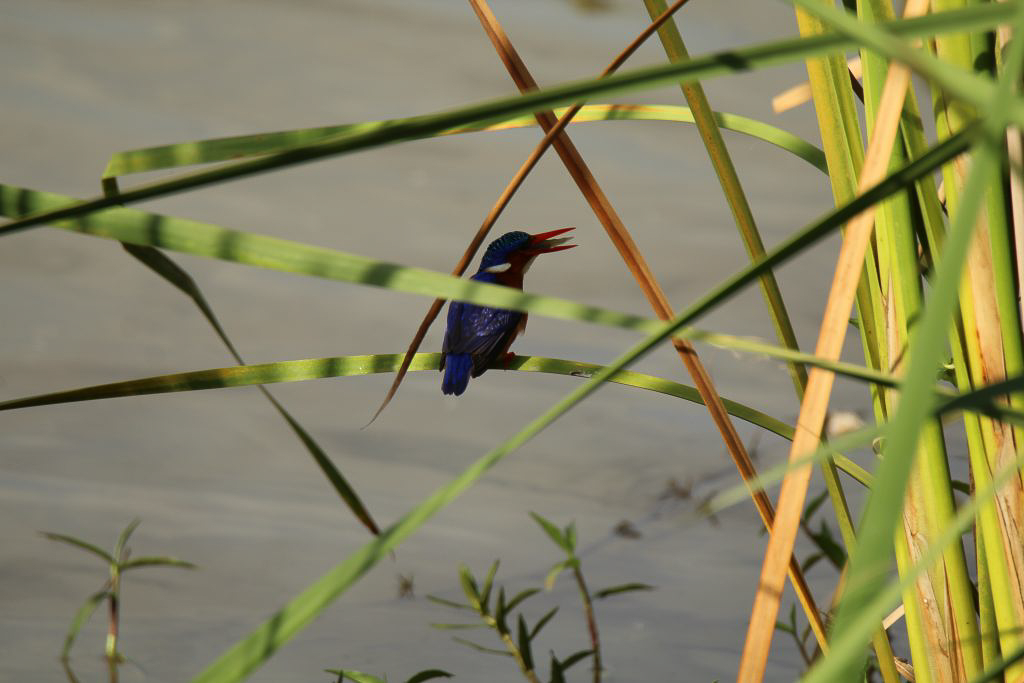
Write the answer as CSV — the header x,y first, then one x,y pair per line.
x,y
477,336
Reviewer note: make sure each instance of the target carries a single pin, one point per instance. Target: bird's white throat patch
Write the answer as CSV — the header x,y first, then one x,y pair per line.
x,y
500,268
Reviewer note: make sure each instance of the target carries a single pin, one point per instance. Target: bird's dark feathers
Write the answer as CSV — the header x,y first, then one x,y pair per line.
x,y
498,250
479,331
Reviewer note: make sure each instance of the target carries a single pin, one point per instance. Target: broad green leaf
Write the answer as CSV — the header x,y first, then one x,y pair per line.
x,y
242,146
698,68
79,543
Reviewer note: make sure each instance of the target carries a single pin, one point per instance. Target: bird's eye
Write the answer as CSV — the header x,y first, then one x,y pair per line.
x,y
499,268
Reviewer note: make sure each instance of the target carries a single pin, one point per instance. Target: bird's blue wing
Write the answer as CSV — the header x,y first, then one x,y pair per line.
x,y
479,331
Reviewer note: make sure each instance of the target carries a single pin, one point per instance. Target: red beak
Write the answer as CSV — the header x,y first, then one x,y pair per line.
x,y
541,243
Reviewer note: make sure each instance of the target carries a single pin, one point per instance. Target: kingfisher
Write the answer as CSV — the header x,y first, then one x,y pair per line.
x,y
477,336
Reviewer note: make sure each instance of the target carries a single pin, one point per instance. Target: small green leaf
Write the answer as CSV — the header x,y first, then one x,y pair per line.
x,y
542,622
501,611
122,540
811,560
575,658
356,676
157,562
482,648
814,504
449,603
552,531
79,543
570,538
81,616
624,588
524,643
556,670
826,542
961,486
469,587
520,597
485,592
549,580
429,674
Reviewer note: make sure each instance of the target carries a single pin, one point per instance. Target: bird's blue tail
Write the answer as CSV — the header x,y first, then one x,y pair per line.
x,y
456,373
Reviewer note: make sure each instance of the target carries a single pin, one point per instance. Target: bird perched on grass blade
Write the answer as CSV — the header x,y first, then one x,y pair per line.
x,y
477,336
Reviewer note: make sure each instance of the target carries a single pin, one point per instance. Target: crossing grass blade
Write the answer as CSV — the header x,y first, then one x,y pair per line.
x,y
79,543
203,239
162,265
351,366
213,150
390,132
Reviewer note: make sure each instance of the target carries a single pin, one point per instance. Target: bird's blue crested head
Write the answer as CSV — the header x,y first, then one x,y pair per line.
x,y
499,250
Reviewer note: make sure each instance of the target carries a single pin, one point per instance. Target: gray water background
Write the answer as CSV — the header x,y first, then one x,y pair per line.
x,y
220,480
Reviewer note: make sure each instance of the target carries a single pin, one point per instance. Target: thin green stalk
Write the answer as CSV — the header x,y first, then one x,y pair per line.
x,y
704,118
840,131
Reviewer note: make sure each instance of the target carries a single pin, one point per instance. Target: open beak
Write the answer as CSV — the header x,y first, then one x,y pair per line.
x,y
547,242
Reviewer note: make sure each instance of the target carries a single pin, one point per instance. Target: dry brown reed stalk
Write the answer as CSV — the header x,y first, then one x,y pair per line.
x,y
814,407
800,94
550,137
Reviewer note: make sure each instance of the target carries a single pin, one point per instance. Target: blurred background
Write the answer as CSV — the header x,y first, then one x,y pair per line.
x,y
218,478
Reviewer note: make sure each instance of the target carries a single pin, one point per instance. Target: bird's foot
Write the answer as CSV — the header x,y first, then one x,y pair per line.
x,y
507,359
